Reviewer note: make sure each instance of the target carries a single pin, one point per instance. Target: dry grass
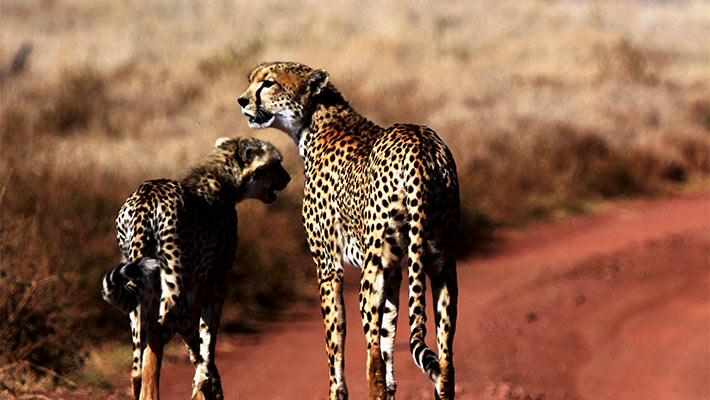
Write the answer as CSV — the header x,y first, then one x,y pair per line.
x,y
547,106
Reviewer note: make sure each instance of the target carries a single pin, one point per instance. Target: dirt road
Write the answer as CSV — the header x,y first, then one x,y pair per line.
x,y
615,306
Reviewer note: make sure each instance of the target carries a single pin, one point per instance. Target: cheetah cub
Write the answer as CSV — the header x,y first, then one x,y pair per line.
x,y
177,241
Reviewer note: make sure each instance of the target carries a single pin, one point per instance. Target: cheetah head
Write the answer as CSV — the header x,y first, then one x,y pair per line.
x,y
253,167
280,95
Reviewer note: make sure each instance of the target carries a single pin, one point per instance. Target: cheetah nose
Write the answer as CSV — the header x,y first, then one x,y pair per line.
x,y
243,101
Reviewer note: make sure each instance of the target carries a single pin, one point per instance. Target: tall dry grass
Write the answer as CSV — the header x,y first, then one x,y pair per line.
x,y
548,107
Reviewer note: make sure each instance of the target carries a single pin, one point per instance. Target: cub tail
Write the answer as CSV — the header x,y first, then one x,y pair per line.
x,y
124,286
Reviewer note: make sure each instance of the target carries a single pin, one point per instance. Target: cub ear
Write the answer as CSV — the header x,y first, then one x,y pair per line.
x,y
317,81
248,150
221,140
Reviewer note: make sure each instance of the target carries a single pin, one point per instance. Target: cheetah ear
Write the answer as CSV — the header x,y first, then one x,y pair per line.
x,y
317,81
247,150
221,140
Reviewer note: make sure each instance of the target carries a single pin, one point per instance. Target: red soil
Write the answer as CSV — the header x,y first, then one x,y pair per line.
x,y
615,306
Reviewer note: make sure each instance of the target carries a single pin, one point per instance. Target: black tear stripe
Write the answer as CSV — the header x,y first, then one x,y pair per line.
x,y
257,102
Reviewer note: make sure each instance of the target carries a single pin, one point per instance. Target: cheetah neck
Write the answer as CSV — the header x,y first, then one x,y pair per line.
x,y
336,118
206,183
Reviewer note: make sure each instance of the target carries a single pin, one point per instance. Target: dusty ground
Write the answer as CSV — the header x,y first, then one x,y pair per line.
x,y
608,307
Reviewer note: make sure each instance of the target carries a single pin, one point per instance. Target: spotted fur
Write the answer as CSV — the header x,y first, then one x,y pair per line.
x,y
377,198
127,283
177,241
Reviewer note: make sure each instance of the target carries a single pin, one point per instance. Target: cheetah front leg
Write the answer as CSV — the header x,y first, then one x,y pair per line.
x,y
191,338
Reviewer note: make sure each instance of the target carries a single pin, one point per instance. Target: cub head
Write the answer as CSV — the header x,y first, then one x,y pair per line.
x,y
280,94
258,173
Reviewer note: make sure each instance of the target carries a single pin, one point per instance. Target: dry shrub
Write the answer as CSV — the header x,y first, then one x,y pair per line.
x,y
54,246
398,102
696,154
268,275
14,128
636,63
38,336
80,99
184,95
549,170
115,103
700,113
582,162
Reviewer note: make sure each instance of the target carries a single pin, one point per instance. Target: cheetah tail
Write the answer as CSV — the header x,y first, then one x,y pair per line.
x,y
123,286
424,357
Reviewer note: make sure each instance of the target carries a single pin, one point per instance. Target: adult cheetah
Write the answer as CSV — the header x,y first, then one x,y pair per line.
x,y
375,198
177,241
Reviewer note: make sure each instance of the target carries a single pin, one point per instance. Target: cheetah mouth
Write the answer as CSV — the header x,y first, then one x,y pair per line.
x,y
261,119
273,192
271,197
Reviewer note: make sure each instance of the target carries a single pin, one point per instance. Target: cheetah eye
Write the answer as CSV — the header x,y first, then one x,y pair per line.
x,y
269,83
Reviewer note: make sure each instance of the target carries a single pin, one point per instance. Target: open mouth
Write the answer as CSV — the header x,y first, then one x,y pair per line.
x,y
270,197
272,192
262,116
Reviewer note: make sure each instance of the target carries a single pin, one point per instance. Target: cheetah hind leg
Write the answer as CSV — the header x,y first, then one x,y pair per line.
x,y
445,296
137,331
140,324
208,384
389,328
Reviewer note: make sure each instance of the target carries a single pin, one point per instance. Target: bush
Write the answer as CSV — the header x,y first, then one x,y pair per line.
x,y
38,337
79,100
55,243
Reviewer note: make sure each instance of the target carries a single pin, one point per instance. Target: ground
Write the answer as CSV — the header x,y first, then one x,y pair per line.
x,y
613,306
